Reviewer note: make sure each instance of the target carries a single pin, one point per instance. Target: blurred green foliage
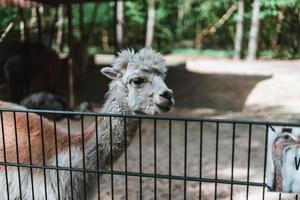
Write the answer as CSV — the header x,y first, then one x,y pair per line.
x,y
7,16
178,22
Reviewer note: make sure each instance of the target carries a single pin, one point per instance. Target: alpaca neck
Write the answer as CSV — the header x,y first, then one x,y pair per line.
x,y
112,129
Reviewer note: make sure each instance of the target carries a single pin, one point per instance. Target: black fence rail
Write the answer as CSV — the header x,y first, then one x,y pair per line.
x,y
168,157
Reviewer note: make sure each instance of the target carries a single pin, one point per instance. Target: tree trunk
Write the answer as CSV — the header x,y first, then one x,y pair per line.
x,y
179,24
254,31
150,23
238,41
119,18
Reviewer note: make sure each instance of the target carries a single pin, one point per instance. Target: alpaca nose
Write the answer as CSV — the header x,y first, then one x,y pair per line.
x,y
168,94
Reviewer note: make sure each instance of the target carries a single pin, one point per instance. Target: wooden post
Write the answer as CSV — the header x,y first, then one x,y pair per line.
x,y
24,32
39,25
60,28
71,64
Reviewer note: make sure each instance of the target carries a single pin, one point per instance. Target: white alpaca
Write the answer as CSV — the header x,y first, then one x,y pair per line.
x,y
137,87
283,148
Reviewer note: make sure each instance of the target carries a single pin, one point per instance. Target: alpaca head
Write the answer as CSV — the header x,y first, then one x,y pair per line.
x,y
141,75
285,138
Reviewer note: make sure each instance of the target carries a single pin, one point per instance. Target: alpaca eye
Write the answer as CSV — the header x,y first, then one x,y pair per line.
x,y
138,81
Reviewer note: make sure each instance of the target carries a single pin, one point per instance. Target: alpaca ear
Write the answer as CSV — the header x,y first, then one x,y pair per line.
x,y
110,73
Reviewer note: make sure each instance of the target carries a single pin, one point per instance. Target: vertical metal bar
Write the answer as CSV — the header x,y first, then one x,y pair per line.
x,y
125,155
70,155
249,160
170,159
30,154
296,197
111,159
17,154
279,196
141,157
4,155
97,155
200,160
83,155
185,158
216,161
265,160
232,159
56,158
43,152
155,159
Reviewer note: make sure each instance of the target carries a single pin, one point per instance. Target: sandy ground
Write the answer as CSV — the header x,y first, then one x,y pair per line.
x,y
224,162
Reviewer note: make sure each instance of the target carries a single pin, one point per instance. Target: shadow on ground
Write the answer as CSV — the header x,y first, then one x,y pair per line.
x,y
217,91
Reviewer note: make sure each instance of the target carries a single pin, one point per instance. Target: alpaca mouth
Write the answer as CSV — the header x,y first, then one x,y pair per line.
x,y
139,112
164,108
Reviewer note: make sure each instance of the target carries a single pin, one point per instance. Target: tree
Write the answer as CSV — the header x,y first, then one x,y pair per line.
x,y
239,30
150,23
212,29
119,23
254,30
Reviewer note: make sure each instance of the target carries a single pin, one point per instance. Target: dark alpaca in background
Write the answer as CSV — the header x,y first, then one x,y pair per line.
x,y
48,101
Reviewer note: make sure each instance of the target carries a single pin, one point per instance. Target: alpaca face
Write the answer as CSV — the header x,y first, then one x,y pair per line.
x,y
147,92
285,138
142,75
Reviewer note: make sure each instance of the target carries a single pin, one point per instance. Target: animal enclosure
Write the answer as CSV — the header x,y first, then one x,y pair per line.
x,y
170,158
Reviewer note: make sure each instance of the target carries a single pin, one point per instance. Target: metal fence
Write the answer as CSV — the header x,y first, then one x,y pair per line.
x,y
169,157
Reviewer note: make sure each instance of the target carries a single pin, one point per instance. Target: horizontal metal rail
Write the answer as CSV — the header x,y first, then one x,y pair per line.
x,y
146,175
158,117
213,152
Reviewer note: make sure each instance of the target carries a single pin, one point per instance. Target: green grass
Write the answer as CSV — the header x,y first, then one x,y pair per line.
x,y
204,52
284,54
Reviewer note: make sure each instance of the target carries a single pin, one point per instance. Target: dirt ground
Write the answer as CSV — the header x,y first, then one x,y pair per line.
x,y
225,140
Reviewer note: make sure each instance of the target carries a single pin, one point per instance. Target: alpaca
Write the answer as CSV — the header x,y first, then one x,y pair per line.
x,y
283,153
280,145
48,101
137,87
